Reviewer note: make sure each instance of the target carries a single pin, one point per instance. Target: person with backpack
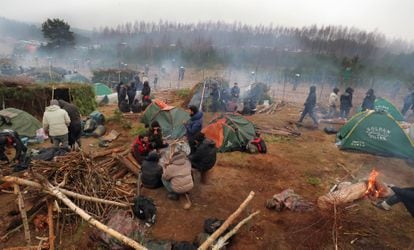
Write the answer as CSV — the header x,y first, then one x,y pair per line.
x,y
151,171
369,100
55,124
204,156
176,177
155,136
215,96
346,102
194,125
141,147
310,104
75,129
257,145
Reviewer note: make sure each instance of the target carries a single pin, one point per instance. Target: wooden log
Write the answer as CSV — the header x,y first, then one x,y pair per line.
x,y
132,160
20,202
107,152
126,163
226,223
37,185
88,218
222,241
121,173
51,226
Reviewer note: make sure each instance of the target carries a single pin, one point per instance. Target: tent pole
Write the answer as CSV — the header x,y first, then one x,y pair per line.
x,y
202,96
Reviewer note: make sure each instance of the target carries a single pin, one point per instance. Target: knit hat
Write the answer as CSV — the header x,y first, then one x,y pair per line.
x,y
54,102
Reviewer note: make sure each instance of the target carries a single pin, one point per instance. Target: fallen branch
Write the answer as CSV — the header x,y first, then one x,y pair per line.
x,y
107,152
222,241
51,226
126,163
23,214
226,223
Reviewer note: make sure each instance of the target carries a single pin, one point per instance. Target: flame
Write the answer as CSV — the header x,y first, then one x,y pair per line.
x,y
371,188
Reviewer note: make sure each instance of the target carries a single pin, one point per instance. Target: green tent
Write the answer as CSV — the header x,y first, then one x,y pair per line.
x,y
20,121
382,104
375,132
102,89
170,119
230,132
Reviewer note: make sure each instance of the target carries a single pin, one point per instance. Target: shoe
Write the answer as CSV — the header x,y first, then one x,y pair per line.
x,y
188,204
173,196
383,205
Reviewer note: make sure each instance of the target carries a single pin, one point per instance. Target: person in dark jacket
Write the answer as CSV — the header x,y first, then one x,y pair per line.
x,y
121,90
141,147
309,106
346,102
369,100
131,91
235,91
215,96
194,125
146,92
75,130
138,83
10,138
155,136
404,195
151,171
408,103
204,156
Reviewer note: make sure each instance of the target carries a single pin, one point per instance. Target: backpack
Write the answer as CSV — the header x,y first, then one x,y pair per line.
x,y
98,117
144,209
90,126
258,145
136,106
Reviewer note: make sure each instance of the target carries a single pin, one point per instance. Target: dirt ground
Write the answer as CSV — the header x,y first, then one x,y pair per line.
x,y
291,162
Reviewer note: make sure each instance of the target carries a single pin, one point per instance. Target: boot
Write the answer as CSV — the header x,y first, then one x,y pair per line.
x,y
188,204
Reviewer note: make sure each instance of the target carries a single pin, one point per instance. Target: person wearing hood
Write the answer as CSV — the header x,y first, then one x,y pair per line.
x,y
309,106
215,96
176,177
55,123
146,92
141,147
333,101
346,102
194,125
75,130
151,171
121,91
369,100
204,156
131,92
155,136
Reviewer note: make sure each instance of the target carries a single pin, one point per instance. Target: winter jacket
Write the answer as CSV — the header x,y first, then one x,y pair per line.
x,y
132,88
194,125
178,172
146,90
368,102
72,110
140,150
156,139
151,171
333,99
346,101
56,121
311,100
205,155
235,91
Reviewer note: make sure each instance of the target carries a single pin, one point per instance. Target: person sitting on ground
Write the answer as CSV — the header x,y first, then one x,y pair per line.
x,y
235,91
155,136
10,138
75,129
309,106
333,101
204,156
404,195
408,103
55,123
346,102
369,100
194,125
176,175
141,147
151,171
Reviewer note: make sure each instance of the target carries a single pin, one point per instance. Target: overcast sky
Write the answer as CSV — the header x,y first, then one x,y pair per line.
x,y
394,18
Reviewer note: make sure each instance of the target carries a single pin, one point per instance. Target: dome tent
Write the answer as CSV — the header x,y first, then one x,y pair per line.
x,y
382,104
20,121
230,132
375,132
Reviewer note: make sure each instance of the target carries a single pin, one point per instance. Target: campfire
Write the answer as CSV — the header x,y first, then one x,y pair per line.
x,y
375,188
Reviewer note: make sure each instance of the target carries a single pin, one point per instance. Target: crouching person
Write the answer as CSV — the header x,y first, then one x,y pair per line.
x,y
151,171
176,175
141,147
204,156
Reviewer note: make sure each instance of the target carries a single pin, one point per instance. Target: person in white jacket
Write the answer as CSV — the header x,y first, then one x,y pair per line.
x,y
333,101
55,123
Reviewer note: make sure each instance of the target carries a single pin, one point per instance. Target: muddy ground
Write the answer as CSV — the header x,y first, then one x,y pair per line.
x,y
308,164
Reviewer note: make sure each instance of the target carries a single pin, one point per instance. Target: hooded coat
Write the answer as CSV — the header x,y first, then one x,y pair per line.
x,y
178,172
204,156
194,125
72,110
151,171
311,100
346,100
368,102
56,121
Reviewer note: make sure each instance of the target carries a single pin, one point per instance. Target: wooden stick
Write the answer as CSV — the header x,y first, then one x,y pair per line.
x,y
51,226
347,170
226,223
107,152
122,238
222,240
25,182
128,165
20,202
133,161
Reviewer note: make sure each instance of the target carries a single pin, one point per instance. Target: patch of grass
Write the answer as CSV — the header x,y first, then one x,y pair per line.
x,y
183,93
314,181
136,130
116,117
276,139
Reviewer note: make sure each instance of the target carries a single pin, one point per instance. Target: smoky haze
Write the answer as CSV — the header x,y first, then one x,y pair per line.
x,y
392,18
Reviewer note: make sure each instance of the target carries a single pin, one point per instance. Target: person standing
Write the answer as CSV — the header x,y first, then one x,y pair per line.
x,y
75,130
309,106
215,96
333,101
408,103
131,91
369,100
346,102
146,92
235,91
194,125
155,81
55,123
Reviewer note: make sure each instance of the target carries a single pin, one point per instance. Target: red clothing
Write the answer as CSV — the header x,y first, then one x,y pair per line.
x,y
140,149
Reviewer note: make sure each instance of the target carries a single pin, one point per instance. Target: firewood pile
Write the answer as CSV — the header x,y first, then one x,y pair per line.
x,y
271,109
